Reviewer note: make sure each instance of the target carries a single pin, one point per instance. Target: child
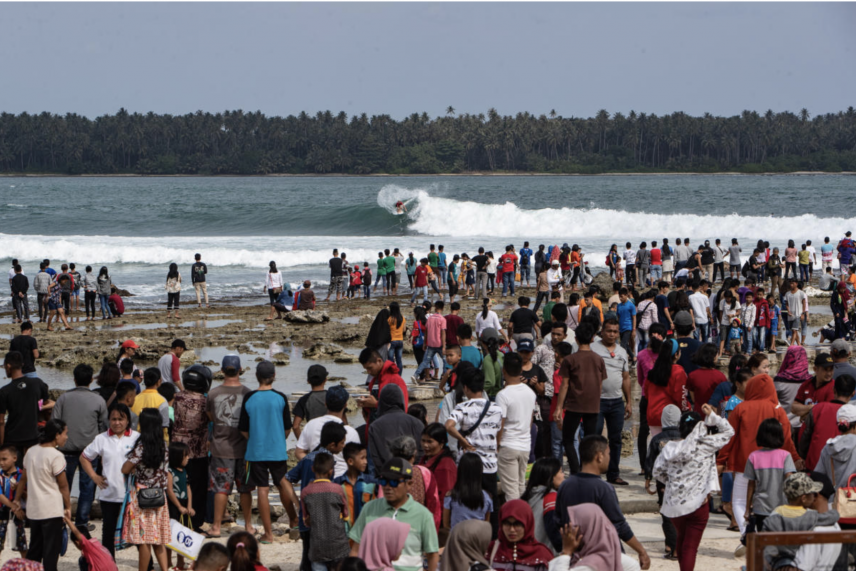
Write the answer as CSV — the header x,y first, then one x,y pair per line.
x,y
546,477
747,320
94,556
450,377
762,320
332,442
359,487
465,342
244,552
773,328
766,470
180,496
9,478
735,338
800,491
126,394
356,282
367,281
212,557
314,403
325,510
670,432
467,500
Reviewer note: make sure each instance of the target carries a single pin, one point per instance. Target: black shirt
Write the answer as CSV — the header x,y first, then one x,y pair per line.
x,y
584,488
707,256
335,267
688,346
481,262
25,345
20,399
311,405
197,273
524,320
20,283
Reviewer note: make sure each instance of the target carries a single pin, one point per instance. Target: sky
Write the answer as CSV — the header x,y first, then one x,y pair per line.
x,y
400,58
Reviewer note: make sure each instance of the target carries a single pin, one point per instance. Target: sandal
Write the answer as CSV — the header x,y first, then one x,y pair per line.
x,y
734,527
670,556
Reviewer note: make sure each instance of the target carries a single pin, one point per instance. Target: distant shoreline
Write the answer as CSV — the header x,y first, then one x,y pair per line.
x,y
383,175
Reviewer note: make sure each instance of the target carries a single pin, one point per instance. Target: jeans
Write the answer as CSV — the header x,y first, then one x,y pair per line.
x,y
508,282
611,413
656,274
415,294
524,274
569,430
759,334
87,488
367,291
45,542
556,440
444,274
105,308
89,298
690,529
626,340
747,338
791,270
397,349
430,352
702,332
22,307
542,296
718,267
42,300
643,337
481,285
804,272
433,284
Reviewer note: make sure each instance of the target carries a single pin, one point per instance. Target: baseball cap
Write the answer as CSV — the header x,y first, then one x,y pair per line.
x,y
337,397
823,360
555,263
707,242
798,484
525,345
490,333
846,414
841,346
316,373
828,488
231,362
264,370
683,318
130,343
396,469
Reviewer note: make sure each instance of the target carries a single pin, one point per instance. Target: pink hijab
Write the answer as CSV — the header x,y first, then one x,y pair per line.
x,y
601,549
794,367
382,541
21,565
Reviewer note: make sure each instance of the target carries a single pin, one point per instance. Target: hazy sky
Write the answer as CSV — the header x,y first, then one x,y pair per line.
x,y
400,58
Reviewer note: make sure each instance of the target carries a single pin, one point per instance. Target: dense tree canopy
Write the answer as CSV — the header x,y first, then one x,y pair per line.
x,y
235,142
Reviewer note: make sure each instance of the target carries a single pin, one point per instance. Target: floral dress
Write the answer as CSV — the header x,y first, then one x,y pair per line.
x,y
150,526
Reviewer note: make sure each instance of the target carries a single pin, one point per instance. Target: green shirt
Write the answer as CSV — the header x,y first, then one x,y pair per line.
x,y
381,267
389,264
421,539
433,259
548,311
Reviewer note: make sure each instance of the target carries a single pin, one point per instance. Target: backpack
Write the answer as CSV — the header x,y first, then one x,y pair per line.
x,y
419,340
746,269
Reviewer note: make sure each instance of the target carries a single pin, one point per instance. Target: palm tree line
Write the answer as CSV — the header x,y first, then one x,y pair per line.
x,y
251,143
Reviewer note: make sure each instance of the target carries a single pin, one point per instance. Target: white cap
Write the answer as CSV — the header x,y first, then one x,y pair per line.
x,y
846,414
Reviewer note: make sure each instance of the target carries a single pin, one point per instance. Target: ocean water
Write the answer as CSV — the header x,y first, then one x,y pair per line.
x,y
138,226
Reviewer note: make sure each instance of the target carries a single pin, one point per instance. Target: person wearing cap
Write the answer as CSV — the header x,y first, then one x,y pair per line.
x,y
227,467
840,352
265,422
198,271
689,345
820,422
312,404
820,555
801,492
616,404
394,478
707,257
127,351
336,400
819,388
170,364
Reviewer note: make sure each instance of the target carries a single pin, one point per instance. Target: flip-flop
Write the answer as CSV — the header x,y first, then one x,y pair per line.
x,y
732,528
265,542
210,535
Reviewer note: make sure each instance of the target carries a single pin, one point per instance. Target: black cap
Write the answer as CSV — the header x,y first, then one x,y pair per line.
x,y
396,469
316,373
823,360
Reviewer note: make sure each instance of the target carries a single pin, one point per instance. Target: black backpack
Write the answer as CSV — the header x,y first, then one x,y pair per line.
x,y
746,269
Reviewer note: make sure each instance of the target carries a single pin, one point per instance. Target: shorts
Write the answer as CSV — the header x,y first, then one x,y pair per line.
x,y
261,473
734,268
54,306
75,292
223,473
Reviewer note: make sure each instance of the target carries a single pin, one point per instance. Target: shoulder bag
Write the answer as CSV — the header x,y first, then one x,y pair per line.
x,y
465,433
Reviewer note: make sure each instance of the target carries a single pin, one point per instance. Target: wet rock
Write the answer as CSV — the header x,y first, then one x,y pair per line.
x,y
280,359
421,393
603,281
188,357
124,292
307,316
294,534
324,351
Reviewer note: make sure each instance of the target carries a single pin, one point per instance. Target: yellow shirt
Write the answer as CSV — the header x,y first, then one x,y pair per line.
x,y
396,333
804,257
151,398
790,511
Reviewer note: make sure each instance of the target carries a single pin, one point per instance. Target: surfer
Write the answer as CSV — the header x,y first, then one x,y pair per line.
x,y
400,207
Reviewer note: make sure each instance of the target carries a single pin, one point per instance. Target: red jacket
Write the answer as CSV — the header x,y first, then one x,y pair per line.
x,y
760,404
762,313
661,397
820,426
389,374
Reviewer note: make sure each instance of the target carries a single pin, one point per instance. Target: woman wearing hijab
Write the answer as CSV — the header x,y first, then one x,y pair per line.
x,y
516,548
382,542
760,404
591,543
466,548
840,303
793,372
379,336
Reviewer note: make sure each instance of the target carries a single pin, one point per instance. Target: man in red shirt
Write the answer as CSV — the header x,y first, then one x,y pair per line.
x,y
821,422
817,389
420,281
453,321
656,263
509,268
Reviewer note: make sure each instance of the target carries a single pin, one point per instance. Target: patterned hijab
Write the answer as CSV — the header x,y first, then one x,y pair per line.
x,y
794,367
21,565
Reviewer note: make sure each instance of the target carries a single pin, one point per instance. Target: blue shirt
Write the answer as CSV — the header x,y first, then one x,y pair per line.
x,y
721,393
662,303
461,512
51,271
472,355
525,254
442,261
302,474
826,248
626,311
266,416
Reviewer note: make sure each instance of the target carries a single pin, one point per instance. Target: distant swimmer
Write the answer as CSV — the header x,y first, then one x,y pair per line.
x,y
400,207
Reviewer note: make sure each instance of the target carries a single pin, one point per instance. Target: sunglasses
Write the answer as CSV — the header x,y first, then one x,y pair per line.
x,y
383,482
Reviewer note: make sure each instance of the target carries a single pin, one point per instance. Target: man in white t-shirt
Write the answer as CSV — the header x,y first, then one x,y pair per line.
x,y
700,303
517,402
336,399
797,311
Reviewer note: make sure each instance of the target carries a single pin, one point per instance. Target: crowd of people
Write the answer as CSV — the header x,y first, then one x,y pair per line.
x,y
482,485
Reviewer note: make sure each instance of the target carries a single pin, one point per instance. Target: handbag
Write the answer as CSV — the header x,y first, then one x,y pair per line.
x,y
184,540
151,498
845,499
